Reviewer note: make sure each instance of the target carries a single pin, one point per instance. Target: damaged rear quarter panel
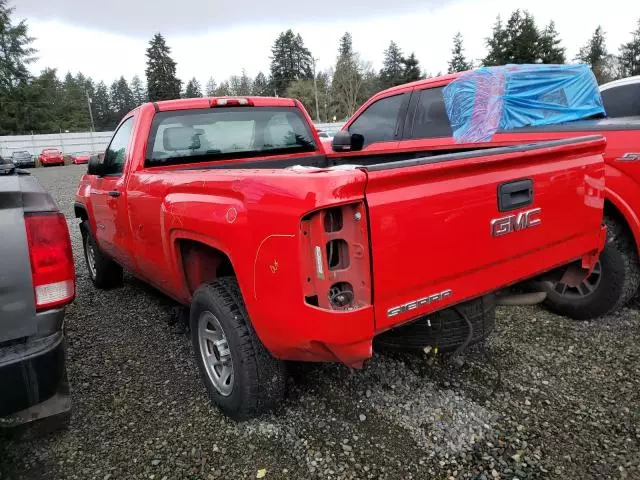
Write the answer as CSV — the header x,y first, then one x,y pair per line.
x,y
253,216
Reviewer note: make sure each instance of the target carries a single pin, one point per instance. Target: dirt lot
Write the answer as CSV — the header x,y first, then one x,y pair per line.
x,y
568,405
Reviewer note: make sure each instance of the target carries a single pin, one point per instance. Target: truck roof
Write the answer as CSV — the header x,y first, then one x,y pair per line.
x,y
422,83
207,102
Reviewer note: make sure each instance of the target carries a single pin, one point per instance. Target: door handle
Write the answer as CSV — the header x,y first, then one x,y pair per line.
x,y
114,193
514,195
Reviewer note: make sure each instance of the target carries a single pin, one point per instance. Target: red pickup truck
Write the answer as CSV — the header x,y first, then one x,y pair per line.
x,y
229,206
410,121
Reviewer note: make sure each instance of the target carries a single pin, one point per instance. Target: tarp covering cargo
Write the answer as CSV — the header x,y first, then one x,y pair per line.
x,y
482,101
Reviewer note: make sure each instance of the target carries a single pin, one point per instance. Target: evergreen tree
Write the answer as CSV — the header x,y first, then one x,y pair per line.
x,y
523,38
411,69
74,115
101,105
210,88
458,62
223,90
43,103
630,55
15,54
497,45
122,101
348,79
290,61
303,90
594,53
193,89
550,50
162,83
261,86
15,50
138,90
392,72
520,41
240,85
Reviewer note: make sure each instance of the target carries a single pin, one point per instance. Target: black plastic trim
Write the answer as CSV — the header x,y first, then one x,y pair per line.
x,y
476,153
515,194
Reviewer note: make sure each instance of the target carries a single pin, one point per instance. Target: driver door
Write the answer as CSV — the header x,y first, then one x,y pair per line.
x,y
109,197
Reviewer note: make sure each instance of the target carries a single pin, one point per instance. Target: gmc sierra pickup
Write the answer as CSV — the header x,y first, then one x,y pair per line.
x,y
410,121
230,206
37,280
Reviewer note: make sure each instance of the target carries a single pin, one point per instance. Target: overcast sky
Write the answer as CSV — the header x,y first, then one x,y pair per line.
x,y
107,38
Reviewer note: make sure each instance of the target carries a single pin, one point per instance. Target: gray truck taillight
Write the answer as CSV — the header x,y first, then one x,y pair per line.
x,y
51,258
335,248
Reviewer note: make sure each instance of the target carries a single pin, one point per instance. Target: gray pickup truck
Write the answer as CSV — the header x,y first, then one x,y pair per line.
x,y
37,280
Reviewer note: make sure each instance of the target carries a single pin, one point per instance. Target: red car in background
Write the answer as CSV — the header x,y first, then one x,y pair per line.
x,y
80,158
51,156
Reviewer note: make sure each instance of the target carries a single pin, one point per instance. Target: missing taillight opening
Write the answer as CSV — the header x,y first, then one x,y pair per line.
x,y
341,295
335,267
337,254
52,269
333,220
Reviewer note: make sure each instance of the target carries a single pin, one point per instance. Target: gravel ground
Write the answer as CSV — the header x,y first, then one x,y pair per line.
x,y
568,405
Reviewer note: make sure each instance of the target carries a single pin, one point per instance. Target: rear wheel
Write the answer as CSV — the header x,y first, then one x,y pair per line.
x,y
240,375
104,272
613,282
444,329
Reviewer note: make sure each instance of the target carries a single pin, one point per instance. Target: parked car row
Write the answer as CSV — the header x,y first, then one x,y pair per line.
x,y
48,157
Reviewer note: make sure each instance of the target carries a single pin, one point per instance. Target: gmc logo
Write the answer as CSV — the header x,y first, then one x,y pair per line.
x,y
513,223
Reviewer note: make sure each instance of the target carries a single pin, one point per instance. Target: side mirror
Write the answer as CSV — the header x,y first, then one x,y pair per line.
x,y
94,167
347,142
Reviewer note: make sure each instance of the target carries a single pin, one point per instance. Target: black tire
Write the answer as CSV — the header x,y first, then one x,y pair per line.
x,y
106,273
258,378
444,329
619,277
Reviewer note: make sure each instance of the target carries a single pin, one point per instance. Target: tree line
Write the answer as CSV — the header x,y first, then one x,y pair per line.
x,y
46,103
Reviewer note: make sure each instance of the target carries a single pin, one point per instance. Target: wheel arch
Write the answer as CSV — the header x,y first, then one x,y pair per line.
x,y
200,262
616,208
80,211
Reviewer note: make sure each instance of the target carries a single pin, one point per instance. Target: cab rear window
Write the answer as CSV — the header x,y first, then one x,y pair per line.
x,y
201,135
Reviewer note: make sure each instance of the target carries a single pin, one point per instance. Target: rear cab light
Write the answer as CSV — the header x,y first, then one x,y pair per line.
x,y
52,269
231,102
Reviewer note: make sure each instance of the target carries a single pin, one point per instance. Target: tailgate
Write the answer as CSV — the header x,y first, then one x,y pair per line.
x,y
452,227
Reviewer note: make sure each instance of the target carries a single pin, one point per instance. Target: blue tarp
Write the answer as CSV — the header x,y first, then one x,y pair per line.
x,y
482,101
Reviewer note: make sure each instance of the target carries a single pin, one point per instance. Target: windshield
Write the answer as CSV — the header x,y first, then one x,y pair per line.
x,y
224,133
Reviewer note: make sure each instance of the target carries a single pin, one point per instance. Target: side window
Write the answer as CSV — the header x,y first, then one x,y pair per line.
x,y
378,122
115,154
430,120
622,101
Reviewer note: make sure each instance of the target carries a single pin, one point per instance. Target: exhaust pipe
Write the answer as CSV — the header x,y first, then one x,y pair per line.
x,y
531,298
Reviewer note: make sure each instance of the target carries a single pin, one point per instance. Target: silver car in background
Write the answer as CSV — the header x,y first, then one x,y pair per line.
x,y
22,159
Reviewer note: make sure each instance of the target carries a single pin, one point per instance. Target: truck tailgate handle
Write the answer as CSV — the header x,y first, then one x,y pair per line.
x,y
515,194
